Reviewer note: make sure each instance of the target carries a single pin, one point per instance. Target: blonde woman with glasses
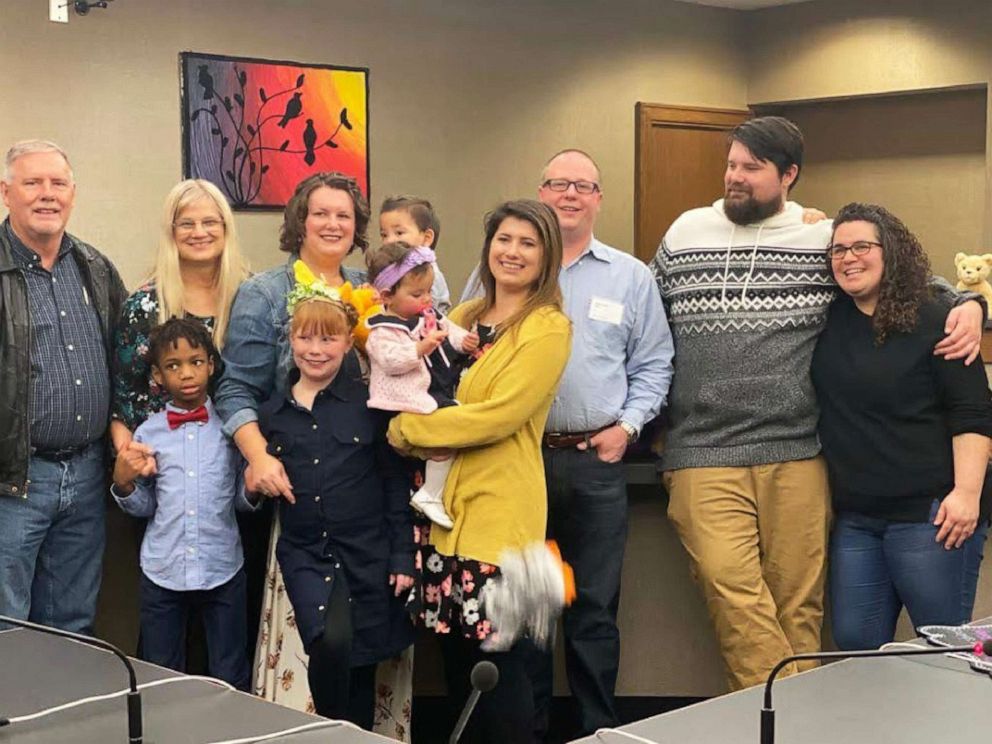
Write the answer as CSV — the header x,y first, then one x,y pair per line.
x,y
197,272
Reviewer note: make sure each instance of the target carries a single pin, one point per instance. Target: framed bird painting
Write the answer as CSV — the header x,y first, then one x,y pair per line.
x,y
257,127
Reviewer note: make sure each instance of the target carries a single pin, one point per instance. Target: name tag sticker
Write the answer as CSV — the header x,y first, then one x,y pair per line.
x,y
607,311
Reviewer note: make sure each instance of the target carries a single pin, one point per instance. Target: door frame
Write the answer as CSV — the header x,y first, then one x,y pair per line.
x,y
649,115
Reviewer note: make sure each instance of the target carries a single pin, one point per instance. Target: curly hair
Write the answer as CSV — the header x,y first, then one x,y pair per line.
x,y
294,219
905,273
165,337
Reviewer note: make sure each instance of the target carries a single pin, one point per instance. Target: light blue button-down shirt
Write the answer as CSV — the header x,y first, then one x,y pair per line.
x,y
192,539
620,367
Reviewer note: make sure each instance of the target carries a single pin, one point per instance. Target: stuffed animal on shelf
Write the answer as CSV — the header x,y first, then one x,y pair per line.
x,y
973,274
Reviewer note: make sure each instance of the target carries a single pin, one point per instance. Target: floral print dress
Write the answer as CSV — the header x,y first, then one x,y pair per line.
x,y
447,598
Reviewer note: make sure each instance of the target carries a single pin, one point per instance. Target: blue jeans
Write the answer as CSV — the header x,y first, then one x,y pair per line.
x,y
877,567
51,543
164,614
587,515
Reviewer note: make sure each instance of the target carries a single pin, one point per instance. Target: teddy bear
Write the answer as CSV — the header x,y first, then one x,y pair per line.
x,y
973,274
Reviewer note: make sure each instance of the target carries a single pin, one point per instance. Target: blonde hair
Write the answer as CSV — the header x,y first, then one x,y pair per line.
x,y
231,272
546,291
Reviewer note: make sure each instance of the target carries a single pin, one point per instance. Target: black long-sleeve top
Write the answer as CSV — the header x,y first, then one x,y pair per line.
x,y
888,413
351,512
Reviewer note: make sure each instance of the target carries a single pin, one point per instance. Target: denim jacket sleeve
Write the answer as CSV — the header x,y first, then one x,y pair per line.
x,y
252,349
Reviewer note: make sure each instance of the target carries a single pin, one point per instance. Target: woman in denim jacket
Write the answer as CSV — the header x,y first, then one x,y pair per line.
x,y
325,220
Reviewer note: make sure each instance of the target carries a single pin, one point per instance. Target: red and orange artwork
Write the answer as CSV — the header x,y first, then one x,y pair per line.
x,y
256,128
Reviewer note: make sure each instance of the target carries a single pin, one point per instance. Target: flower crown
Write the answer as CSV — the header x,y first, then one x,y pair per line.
x,y
357,304
309,287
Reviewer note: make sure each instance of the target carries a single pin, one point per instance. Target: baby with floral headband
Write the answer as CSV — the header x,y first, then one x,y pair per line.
x,y
415,353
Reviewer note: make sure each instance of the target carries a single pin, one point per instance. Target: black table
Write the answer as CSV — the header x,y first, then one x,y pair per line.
x,y
926,700
39,671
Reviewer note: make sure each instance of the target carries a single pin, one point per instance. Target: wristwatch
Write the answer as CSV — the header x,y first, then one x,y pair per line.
x,y
630,430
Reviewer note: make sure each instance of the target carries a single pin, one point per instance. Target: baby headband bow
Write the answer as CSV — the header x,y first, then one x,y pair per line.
x,y
390,275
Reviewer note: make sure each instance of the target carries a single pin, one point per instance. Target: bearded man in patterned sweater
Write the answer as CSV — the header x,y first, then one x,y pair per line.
x,y
746,289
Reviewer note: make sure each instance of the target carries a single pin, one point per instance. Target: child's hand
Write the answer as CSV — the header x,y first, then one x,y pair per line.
x,y
137,460
470,343
402,582
430,342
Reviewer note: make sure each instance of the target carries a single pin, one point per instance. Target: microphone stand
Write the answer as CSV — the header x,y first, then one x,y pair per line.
x,y
133,696
768,712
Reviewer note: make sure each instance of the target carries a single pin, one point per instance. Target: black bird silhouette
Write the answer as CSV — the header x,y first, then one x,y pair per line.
x,y
293,109
206,80
309,140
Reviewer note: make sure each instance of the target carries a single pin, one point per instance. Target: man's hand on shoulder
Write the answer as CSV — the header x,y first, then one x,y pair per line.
x,y
964,333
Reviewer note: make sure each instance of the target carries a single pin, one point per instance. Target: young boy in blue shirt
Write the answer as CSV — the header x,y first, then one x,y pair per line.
x,y
185,476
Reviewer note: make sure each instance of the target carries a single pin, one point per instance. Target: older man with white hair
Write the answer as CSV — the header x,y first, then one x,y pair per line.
x,y
59,301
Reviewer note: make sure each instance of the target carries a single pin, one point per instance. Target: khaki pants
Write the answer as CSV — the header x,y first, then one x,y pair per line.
x,y
757,540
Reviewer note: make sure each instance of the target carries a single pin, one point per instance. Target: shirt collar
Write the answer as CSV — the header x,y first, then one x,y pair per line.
x,y
596,249
208,404
343,385
24,254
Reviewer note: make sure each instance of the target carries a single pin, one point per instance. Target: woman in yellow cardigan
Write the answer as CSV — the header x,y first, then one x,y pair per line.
x,y
495,491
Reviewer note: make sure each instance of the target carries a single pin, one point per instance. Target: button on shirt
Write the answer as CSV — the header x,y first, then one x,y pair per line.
x,y
352,492
620,367
621,361
70,378
192,541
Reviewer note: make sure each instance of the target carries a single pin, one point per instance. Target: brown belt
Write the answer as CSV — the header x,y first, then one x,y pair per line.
x,y
566,440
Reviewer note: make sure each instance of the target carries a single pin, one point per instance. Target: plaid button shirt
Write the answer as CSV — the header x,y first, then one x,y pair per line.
x,y
70,379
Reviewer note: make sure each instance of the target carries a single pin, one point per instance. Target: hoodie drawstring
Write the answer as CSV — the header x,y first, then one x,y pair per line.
x,y
750,271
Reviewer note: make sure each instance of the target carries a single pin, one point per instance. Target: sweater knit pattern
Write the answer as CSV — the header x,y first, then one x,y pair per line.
x,y
746,304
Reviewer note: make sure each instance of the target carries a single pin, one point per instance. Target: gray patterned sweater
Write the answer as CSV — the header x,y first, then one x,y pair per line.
x,y
746,305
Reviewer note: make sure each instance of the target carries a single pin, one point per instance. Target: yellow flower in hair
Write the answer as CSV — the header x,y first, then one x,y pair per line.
x,y
309,287
365,300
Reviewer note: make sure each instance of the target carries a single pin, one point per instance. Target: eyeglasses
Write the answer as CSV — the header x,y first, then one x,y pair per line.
x,y
562,184
187,226
859,248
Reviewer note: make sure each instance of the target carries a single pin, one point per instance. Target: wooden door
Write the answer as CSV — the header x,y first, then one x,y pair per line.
x,y
679,160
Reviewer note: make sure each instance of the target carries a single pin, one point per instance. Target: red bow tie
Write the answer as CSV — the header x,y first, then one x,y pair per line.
x,y
177,419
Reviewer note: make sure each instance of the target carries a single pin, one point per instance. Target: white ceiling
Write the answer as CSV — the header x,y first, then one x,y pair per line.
x,y
744,4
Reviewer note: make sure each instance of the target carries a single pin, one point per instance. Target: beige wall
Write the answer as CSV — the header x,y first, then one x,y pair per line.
x,y
467,98
860,47
922,156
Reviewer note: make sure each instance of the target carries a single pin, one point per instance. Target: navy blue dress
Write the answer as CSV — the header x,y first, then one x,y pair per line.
x,y
351,519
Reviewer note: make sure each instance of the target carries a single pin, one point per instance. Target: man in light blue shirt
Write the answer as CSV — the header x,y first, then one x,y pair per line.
x,y
616,380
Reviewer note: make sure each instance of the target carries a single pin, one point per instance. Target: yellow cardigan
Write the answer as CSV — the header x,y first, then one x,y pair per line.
x,y
495,491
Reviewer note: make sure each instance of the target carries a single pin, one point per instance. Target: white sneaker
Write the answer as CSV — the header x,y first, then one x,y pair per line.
x,y
431,507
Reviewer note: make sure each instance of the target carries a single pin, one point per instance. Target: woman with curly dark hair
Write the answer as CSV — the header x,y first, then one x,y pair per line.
x,y
906,437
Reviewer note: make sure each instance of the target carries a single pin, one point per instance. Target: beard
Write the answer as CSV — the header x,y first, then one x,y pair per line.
x,y
746,210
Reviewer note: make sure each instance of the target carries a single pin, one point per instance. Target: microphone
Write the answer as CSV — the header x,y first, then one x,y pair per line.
x,y
979,648
484,677
133,697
